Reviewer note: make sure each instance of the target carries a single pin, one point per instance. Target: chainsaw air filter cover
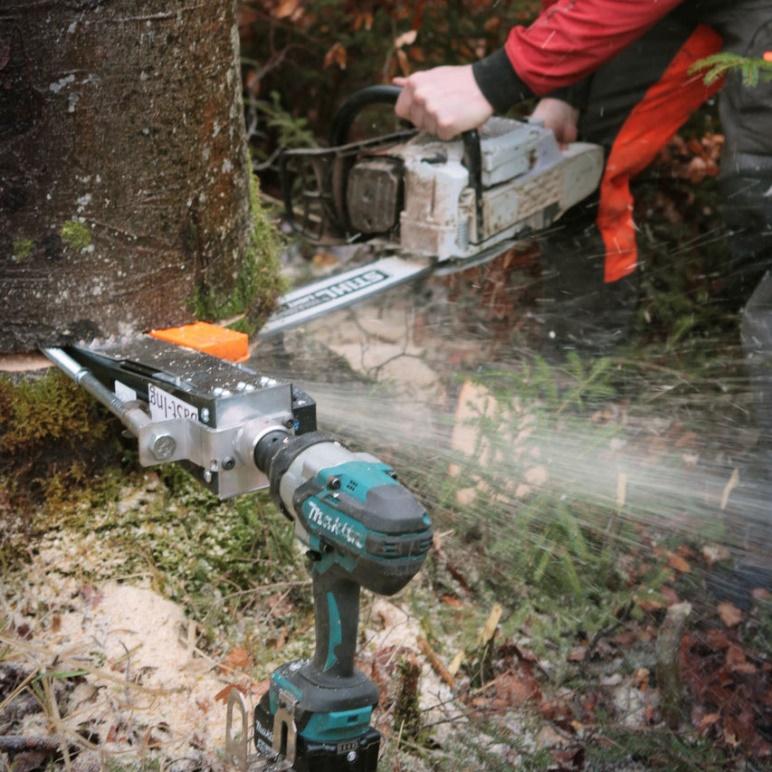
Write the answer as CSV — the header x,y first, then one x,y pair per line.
x,y
374,195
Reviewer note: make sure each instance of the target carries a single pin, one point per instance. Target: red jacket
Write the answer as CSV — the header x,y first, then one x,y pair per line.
x,y
572,38
569,40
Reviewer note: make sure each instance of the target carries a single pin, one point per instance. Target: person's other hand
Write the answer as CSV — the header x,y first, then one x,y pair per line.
x,y
445,101
559,116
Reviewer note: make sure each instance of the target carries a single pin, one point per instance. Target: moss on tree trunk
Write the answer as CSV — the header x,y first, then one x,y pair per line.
x,y
124,174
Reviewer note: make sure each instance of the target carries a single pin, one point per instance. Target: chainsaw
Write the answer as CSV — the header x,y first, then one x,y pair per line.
x,y
423,204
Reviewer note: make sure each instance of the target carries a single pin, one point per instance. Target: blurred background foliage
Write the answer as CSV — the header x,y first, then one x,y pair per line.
x,y
302,58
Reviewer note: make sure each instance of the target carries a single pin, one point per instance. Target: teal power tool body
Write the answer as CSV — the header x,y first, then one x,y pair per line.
x,y
239,431
360,528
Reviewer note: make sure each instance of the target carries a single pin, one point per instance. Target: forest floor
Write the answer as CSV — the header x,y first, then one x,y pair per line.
x,y
563,619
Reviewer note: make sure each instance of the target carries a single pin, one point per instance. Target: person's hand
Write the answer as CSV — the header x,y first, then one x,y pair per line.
x,y
559,116
445,101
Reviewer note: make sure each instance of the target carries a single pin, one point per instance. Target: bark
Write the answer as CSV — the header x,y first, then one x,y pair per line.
x,y
124,173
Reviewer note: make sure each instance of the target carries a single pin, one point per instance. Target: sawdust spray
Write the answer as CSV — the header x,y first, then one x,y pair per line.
x,y
490,427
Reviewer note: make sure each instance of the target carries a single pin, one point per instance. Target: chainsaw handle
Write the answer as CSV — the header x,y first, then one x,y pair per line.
x,y
370,95
388,94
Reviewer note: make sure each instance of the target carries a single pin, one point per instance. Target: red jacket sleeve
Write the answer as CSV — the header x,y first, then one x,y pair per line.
x,y
569,40
572,38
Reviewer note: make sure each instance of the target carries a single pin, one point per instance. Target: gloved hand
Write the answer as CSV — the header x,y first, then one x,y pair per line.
x,y
559,116
444,101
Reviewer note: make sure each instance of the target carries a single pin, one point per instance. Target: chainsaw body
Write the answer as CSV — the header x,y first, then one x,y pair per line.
x,y
422,196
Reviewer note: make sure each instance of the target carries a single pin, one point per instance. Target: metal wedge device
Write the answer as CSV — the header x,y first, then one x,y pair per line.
x,y
238,431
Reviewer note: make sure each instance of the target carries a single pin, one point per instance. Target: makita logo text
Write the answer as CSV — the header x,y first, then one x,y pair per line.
x,y
334,526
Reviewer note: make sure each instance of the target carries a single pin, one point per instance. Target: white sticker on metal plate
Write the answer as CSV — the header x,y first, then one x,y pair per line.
x,y
124,392
164,406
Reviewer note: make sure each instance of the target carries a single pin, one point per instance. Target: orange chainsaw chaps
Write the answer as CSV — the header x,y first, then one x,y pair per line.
x,y
208,338
665,107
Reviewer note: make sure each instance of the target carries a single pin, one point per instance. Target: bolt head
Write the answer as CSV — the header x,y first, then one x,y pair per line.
x,y
163,446
228,463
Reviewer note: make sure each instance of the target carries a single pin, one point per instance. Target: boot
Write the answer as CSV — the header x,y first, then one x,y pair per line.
x,y
577,310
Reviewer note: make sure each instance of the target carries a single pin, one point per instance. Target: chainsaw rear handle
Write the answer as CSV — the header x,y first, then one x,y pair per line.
x,y
388,94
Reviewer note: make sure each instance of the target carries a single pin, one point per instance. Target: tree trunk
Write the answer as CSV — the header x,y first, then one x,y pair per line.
x,y
124,174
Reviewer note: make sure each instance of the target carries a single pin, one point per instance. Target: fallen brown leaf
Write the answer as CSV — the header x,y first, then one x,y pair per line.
x,y
577,654
238,658
515,688
708,721
286,8
678,563
670,595
649,604
641,678
203,705
336,55
717,639
714,553
738,662
324,259
730,615
222,695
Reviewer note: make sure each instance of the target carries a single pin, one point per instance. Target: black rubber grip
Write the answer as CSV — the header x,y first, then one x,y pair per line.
x,y
358,101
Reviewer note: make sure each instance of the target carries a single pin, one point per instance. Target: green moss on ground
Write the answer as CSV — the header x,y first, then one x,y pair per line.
x,y
75,234
259,282
53,439
22,249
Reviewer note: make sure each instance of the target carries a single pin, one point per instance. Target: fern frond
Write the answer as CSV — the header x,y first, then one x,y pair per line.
x,y
753,71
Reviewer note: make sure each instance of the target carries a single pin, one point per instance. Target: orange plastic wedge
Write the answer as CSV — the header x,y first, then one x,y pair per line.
x,y
211,339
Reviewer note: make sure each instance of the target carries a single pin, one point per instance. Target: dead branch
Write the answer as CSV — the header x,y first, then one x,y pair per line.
x,y
12,743
668,670
437,664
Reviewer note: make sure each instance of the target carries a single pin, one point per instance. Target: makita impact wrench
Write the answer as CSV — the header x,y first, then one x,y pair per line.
x,y
360,528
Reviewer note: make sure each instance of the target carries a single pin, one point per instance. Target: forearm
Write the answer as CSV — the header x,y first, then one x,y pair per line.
x,y
568,41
